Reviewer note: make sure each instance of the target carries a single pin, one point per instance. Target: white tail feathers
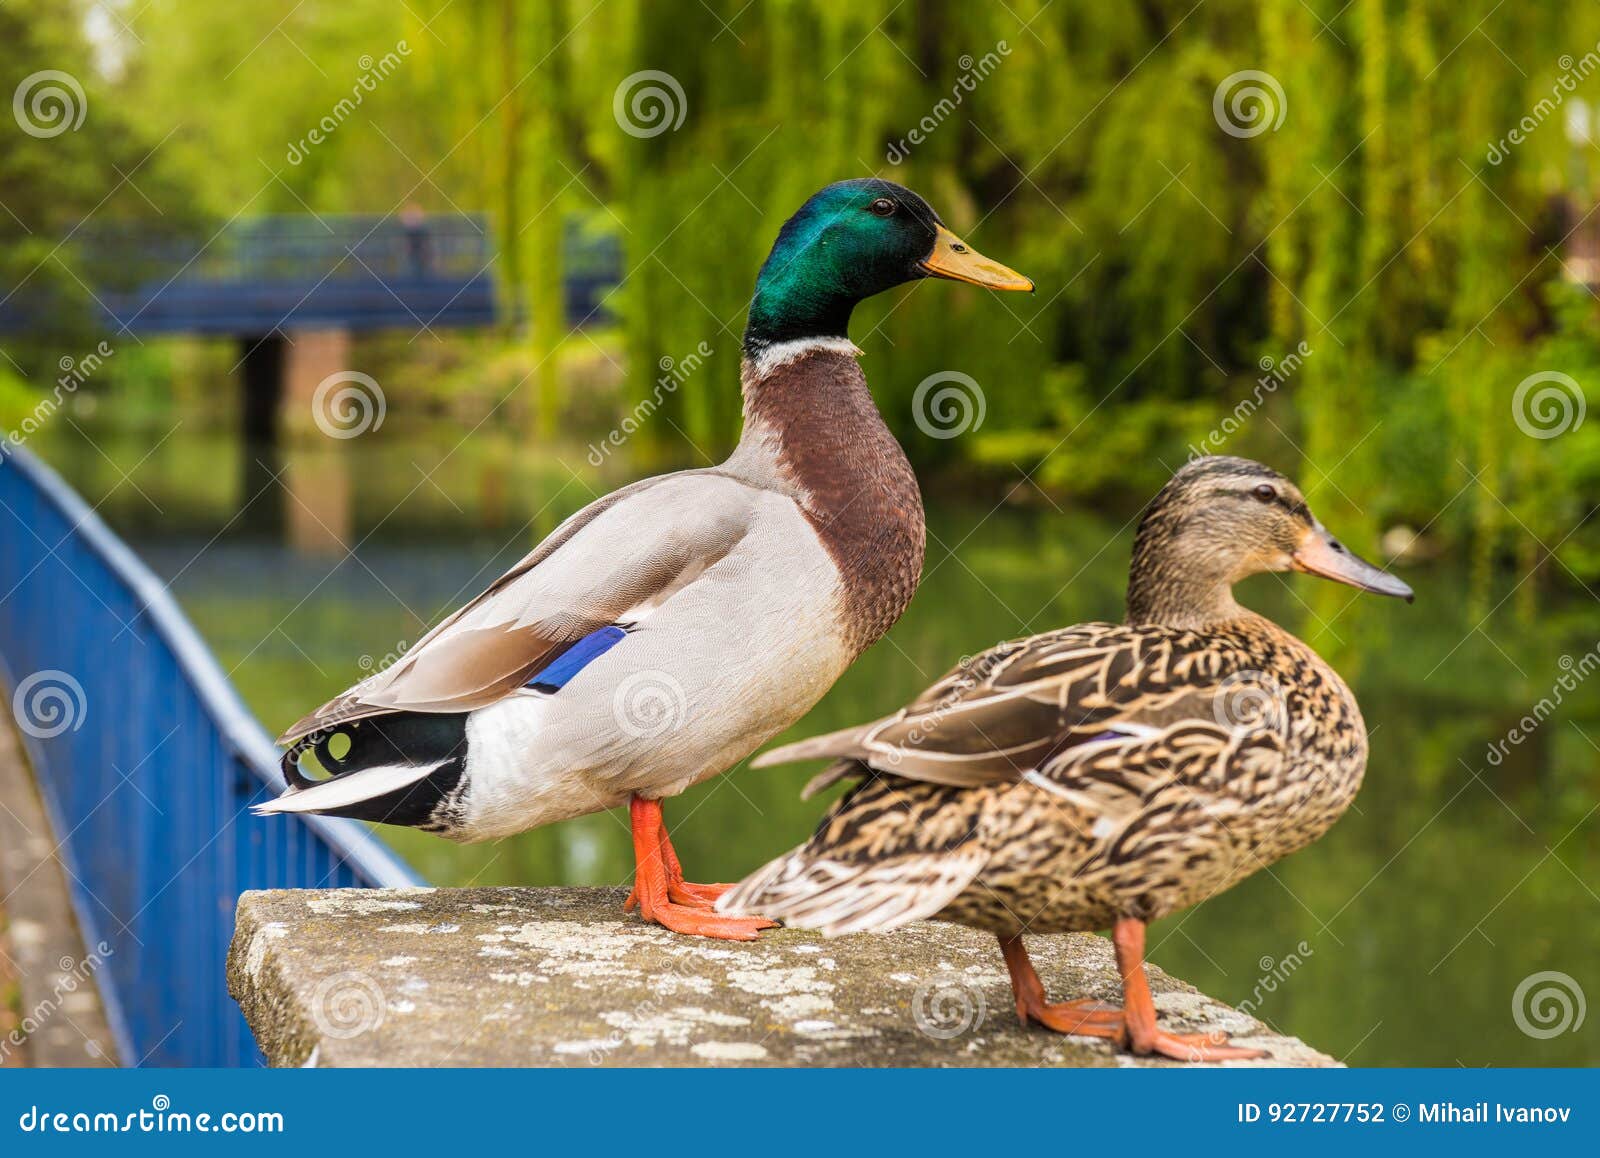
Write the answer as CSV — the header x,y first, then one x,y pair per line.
x,y
836,898
341,791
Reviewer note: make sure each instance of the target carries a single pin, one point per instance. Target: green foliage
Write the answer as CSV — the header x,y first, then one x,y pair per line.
x,y
1381,213
16,401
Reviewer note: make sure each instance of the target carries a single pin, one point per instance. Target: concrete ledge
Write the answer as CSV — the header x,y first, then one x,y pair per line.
x,y
561,977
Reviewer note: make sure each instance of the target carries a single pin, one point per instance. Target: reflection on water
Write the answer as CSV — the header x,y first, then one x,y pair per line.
x,y
1400,938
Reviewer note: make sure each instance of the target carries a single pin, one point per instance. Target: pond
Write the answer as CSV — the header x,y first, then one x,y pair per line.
x,y
1468,866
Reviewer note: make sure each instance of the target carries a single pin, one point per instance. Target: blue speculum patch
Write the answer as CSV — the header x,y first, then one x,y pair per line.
x,y
580,655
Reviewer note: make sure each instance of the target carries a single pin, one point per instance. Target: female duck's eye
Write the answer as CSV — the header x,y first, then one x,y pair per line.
x,y
1266,492
883,207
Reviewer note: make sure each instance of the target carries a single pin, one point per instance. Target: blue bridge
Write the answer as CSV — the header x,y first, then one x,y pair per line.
x,y
262,275
291,290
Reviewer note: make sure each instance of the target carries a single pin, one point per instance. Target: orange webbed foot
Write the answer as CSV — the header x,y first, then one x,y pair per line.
x,y
697,922
1195,1047
1134,1025
663,896
1085,1017
1139,1010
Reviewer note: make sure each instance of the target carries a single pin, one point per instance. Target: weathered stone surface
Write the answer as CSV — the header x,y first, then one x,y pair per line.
x,y
562,977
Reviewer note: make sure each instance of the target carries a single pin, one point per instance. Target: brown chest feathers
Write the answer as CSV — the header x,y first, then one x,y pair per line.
x,y
815,420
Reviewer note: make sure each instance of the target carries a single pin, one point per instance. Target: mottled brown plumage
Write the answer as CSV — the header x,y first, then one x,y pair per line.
x,y
1104,772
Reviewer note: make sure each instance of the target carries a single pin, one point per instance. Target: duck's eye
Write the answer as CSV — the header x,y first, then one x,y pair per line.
x,y
1266,492
883,207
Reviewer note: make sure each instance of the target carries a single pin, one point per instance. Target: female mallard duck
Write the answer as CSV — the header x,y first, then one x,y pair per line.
x,y
1100,775
667,630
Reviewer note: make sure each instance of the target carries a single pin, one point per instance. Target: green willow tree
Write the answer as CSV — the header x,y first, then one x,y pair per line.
x,y
1378,213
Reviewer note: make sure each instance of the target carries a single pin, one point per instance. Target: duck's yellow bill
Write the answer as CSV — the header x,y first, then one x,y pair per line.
x,y
952,258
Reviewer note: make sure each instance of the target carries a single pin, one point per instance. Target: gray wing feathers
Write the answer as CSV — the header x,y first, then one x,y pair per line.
x,y
615,557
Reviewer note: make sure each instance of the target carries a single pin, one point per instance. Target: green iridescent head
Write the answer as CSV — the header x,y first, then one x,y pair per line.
x,y
848,242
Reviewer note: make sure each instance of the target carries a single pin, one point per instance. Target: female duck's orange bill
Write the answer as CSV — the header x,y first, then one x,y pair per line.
x,y
1321,554
952,258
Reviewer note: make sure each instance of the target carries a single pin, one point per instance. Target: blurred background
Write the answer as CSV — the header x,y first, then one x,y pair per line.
x,y
1356,239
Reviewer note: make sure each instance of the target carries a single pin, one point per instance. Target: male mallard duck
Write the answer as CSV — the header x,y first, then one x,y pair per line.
x,y
1100,775
667,630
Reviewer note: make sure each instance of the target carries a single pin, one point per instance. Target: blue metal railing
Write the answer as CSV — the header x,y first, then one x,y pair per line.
x,y
147,762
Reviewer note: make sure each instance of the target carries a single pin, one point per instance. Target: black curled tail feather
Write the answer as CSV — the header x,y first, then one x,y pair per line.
x,y
400,739
289,763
